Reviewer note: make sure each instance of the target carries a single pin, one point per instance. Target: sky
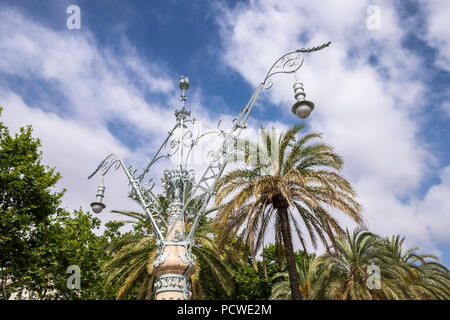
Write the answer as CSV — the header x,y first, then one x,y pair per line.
x,y
381,91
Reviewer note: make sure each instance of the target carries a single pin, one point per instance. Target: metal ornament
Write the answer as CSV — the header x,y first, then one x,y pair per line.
x,y
160,259
180,183
174,282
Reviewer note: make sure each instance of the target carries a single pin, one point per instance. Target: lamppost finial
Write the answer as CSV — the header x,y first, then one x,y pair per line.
x,y
183,113
184,86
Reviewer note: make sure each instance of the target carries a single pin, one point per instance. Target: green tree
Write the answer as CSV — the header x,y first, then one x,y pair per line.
x,y
344,275
286,180
27,201
130,269
69,240
404,274
38,239
424,276
256,283
281,289
250,284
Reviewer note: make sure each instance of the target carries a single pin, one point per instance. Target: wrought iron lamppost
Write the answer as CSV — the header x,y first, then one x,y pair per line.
x,y
175,263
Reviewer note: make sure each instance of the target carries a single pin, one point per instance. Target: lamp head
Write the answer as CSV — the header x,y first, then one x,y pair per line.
x,y
97,207
303,108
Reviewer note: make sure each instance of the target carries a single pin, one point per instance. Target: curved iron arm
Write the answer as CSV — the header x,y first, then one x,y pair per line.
x,y
156,157
107,163
194,141
288,63
111,161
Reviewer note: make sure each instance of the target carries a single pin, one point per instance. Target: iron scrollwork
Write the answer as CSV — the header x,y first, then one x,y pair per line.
x,y
181,184
289,63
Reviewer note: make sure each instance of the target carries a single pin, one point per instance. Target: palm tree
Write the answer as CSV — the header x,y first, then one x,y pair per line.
x,y
424,276
344,275
285,180
281,290
132,264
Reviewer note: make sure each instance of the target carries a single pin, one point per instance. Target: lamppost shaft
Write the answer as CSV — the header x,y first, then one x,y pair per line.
x,y
174,266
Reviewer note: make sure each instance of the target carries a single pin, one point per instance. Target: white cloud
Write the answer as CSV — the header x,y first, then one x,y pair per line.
x,y
74,149
424,221
446,107
98,87
434,209
365,110
437,32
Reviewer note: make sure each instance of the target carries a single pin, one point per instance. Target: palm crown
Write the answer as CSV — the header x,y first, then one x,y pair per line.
x,y
285,181
403,274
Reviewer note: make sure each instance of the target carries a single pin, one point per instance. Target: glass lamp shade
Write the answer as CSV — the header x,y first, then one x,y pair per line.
x,y
303,108
97,207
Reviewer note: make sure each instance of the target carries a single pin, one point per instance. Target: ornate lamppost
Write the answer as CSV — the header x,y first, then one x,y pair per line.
x,y
175,263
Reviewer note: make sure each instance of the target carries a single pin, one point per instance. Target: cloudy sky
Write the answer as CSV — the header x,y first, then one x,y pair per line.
x,y
381,90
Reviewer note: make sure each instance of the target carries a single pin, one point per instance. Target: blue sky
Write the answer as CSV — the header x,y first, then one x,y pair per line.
x,y
381,94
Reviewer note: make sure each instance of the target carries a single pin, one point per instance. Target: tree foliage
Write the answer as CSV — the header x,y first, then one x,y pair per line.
x,y
38,239
344,274
285,182
27,201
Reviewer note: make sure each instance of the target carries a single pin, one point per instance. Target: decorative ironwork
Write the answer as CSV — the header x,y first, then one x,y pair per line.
x,y
322,46
160,259
174,282
174,212
180,183
289,63
183,258
177,237
107,164
182,114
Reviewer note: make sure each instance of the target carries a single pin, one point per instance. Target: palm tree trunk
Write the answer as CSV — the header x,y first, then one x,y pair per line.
x,y
4,289
289,249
